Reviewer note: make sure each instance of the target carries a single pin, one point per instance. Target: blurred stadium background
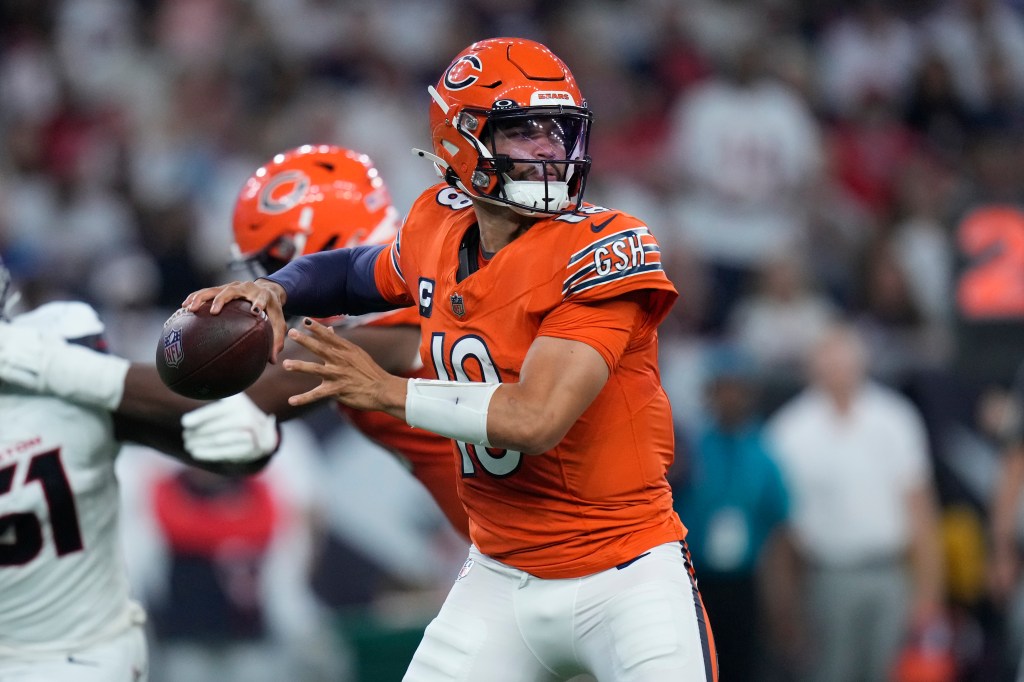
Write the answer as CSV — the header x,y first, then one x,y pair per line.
x,y
799,160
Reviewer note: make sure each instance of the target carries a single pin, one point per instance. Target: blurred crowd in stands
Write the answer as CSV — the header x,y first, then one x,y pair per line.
x,y
834,183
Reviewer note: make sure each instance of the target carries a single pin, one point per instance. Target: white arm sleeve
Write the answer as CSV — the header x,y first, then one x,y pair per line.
x,y
46,363
454,409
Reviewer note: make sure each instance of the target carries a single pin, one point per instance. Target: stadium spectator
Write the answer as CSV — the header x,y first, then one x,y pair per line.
x,y
868,50
224,568
855,458
743,155
730,491
967,35
779,321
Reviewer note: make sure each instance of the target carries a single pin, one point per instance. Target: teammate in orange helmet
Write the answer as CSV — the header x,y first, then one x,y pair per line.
x,y
538,316
313,199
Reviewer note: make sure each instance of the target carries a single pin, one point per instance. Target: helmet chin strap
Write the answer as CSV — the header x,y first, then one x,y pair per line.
x,y
300,240
439,164
525,195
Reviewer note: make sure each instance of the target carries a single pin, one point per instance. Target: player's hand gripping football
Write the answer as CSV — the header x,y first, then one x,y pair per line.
x,y
263,294
347,374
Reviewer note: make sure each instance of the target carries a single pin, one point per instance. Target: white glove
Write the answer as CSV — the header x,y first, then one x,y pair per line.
x,y
45,363
230,430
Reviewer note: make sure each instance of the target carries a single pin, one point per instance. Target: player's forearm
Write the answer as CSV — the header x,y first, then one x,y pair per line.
x,y
332,283
146,397
522,422
559,380
168,440
505,416
164,437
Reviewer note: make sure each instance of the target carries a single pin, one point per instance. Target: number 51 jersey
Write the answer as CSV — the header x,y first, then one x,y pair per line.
x,y
63,583
601,496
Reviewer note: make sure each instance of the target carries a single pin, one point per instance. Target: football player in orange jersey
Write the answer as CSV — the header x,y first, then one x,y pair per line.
x,y
538,317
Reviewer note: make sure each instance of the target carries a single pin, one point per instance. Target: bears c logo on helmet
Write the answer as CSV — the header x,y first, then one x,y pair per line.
x,y
269,203
452,79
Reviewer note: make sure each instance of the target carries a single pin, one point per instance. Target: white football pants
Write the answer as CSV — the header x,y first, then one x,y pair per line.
x,y
123,658
640,622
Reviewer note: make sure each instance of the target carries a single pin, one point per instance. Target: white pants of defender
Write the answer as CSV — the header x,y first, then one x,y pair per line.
x,y
640,623
122,658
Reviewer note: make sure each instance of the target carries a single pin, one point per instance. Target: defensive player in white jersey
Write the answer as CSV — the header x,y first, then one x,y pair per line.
x,y
65,610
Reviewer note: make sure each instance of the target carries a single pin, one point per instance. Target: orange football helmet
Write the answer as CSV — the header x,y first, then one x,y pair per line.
x,y
510,126
312,198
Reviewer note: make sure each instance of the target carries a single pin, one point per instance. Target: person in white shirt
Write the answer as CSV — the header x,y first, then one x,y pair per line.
x,y
743,155
854,454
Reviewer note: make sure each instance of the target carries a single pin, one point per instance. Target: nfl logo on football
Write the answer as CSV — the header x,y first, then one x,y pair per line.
x,y
172,348
458,305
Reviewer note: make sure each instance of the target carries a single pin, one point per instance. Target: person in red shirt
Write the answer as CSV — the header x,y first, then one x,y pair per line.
x,y
538,317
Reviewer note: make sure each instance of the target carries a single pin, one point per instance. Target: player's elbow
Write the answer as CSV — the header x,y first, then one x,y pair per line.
x,y
536,434
526,421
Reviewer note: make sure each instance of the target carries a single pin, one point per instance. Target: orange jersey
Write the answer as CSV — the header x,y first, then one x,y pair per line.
x,y
601,496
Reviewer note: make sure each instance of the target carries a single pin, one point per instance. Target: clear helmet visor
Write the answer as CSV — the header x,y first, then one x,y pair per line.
x,y
537,157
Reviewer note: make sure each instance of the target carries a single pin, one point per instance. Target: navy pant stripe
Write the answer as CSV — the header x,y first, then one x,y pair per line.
x,y
702,623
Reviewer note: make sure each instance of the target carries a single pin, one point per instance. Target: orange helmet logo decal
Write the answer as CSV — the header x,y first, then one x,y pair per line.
x,y
269,203
457,78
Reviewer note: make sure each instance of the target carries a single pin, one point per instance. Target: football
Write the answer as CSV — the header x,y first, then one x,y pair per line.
x,y
209,357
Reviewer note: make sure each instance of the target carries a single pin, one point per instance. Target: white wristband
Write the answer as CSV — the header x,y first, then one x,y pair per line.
x,y
85,376
454,409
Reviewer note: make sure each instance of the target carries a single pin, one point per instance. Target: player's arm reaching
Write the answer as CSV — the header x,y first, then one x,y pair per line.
x,y
391,348
324,284
559,378
239,430
231,436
